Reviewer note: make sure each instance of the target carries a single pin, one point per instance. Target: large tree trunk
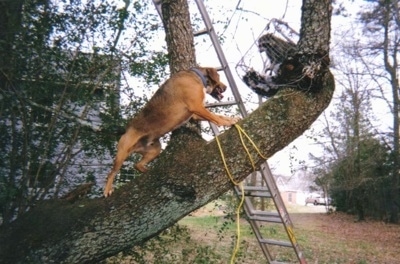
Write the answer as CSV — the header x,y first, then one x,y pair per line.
x,y
178,35
187,175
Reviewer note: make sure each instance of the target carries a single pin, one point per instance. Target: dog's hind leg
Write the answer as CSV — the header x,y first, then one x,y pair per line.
x,y
125,147
149,153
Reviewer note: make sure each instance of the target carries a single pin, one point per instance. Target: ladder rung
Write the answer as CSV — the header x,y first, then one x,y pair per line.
x,y
270,216
256,194
200,32
222,104
264,213
255,188
255,191
276,242
270,219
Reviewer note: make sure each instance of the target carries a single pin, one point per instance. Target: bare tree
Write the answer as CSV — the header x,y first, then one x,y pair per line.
x,y
382,22
350,162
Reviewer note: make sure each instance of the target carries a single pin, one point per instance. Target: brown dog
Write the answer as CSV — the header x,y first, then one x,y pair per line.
x,y
175,102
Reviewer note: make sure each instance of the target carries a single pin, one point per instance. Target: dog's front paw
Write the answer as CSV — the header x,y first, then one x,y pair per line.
x,y
235,120
229,121
232,120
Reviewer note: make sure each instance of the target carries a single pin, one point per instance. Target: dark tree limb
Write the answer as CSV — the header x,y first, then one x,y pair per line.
x,y
187,175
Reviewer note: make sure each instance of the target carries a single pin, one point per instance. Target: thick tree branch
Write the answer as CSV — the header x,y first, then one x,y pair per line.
x,y
187,175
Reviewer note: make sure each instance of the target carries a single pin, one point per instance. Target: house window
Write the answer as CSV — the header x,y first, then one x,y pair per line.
x,y
290,198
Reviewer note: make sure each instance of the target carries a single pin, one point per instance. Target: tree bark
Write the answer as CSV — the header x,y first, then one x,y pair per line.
x,y
186,176
178,35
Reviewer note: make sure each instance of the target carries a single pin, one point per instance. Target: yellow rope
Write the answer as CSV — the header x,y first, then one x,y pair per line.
x,y
237,244
240,184
241,131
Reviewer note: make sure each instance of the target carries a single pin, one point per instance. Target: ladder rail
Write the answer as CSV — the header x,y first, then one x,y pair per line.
x,y
277,198
283,213
157,4
221,56
257,232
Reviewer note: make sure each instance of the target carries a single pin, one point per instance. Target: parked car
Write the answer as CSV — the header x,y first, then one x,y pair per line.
x,y
318,200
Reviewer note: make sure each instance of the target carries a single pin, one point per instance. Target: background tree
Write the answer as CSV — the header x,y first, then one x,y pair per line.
x,y
353,193
355,157
178,183
382,24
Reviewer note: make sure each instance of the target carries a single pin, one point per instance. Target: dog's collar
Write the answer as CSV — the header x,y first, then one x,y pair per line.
x,y
201,75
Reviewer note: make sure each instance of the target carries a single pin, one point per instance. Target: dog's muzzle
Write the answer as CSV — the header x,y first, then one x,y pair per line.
x,y
217,92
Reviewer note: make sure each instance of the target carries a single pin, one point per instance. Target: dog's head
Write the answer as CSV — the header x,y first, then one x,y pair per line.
x,y
215,87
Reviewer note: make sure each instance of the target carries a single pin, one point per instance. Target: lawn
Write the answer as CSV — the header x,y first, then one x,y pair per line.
x,y
207,237
324,238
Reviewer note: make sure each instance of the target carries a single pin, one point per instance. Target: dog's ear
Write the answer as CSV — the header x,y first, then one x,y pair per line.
x,y
213,74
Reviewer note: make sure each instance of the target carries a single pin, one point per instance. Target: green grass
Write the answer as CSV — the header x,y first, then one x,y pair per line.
x,y
201,222
226,230
217,224
209,237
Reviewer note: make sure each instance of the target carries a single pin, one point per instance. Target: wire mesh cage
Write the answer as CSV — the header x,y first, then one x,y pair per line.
x,y
261,62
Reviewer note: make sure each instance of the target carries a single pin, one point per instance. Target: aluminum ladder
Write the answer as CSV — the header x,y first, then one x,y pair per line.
x,y
266,187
